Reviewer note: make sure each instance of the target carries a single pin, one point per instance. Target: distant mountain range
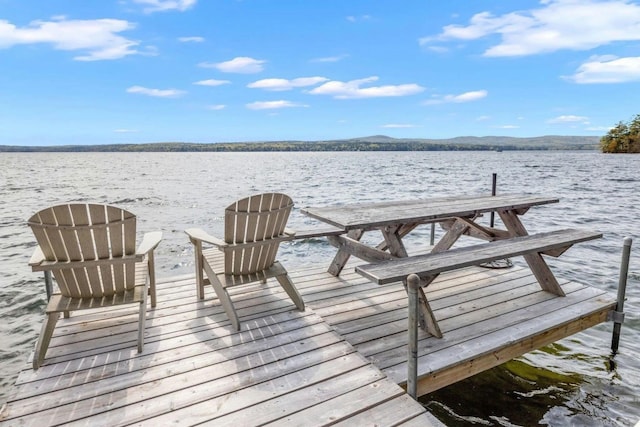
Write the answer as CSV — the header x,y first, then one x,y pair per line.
x,y
529,142
368,143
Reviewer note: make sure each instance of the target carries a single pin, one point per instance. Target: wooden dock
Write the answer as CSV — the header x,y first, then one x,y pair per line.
x,y
342,361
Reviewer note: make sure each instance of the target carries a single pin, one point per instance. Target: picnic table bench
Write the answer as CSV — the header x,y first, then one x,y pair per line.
x,y
428,266
309,233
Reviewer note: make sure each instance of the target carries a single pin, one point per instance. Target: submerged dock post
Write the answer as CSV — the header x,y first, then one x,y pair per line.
x,y
618,314
413,282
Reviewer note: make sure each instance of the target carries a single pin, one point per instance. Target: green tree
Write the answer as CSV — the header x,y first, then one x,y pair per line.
x,y
622,138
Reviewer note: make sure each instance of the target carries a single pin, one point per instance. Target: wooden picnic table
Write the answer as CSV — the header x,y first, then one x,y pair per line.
x,y
457,215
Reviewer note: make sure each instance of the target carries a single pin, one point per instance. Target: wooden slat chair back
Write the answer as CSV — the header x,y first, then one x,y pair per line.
x,y
255,219
254,229
91,251
90,234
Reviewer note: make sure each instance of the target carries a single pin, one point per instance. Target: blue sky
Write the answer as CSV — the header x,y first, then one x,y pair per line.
x,y
123,71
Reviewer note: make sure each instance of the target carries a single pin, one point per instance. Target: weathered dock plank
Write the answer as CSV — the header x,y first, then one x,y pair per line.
x,y
487,316
287,367
196,369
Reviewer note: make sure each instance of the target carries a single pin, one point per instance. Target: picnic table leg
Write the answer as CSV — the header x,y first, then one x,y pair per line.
x,y
393,241
402,231
458,228
341,258
536,263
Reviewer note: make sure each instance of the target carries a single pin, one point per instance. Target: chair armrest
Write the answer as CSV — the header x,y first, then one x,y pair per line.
x,y
149,242
197,234
37,257
289,232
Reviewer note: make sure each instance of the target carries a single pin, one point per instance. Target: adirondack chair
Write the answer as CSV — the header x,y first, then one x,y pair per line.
x,y
90,249
254,228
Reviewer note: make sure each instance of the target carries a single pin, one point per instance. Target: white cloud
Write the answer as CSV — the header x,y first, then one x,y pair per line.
x,y
608,70
467,96
241,65
556,25
166,5
160,93
352,89
212,82
216,107
284,84
570,119
598,128
125,130
508,127
271,105
438,49
398,126
98,37
191,39
358,18
482,118
330,58
457,99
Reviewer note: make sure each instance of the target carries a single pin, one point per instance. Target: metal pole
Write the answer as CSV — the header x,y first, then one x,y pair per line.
x,y
413,281
48,283
618,314
433,232
494,180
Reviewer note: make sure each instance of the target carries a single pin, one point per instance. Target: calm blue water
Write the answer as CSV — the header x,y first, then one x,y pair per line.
x,y
573,382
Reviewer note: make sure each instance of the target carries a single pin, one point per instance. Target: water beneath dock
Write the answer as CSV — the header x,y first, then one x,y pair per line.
x,y
572,381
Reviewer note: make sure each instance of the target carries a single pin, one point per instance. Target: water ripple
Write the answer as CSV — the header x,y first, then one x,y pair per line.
x,y
573,381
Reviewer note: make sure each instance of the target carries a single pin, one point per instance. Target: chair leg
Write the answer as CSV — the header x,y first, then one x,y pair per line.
x,y
142,317
200,285
223,296
45,337
152,278
199,264
291,290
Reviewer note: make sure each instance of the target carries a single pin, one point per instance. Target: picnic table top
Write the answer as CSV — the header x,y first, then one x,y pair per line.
x,y
380,214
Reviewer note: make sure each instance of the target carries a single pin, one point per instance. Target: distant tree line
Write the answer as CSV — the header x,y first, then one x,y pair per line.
x,y
339,145
623,138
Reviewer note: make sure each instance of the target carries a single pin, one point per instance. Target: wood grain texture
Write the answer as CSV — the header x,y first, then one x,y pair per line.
x,y
340,361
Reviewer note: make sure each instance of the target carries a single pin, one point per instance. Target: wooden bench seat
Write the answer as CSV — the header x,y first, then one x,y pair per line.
x,y
429,266
323,231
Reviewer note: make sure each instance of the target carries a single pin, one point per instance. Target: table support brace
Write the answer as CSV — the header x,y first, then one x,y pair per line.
x,y
536,263
425,317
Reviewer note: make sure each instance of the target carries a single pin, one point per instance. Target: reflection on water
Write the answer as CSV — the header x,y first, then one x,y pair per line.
x,y
527,392
573,382
511,394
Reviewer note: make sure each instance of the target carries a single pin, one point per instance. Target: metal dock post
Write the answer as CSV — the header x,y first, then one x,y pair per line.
x,y
618,314
413,281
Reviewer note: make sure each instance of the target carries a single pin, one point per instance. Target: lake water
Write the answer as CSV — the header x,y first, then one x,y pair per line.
x,y
573,382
